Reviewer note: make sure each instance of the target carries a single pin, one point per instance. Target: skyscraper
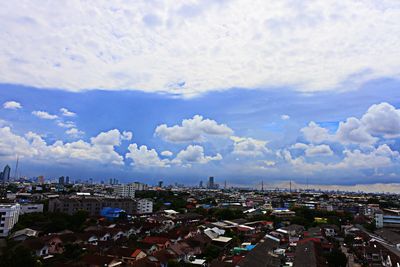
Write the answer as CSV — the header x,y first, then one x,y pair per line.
x,y
61,180
67,180
211,184
5,177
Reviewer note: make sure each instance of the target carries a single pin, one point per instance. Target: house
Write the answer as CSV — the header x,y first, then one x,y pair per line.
x,y
91,260
37,246
24,234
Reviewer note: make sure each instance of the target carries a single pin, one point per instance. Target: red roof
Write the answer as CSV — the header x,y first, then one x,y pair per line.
x,y
136,253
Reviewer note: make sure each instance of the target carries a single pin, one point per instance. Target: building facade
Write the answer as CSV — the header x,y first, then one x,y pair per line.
x,y
9,214
125,190
387,218
144,206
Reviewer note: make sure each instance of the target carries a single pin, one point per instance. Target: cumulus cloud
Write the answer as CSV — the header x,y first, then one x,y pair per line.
x,y
101,149
67,124
353,131
143,157
44,115
246,146
314,150
167,153
285,117
65,112
192,130
74,132
380,120
126,135
190,48
381,157
194,154
316,134
12,105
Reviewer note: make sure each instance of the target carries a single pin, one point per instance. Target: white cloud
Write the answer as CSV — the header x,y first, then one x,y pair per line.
x,y
285,117
74,132
192,130
67,124
314,133
127,135
381,157
32,146
65,112
44,115
12,105
352,131
246,146
167,153
314,150
188,48
143,157
194,154
382,119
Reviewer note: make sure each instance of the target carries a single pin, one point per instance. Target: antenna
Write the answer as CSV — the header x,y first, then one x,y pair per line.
x,y
16,169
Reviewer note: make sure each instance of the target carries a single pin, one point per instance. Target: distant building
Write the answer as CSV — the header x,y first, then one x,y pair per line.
x,y
31,208
160,184
387,218
67,180
61,180
41,179
140,186
93,205
211,184
144,206
125,190
201,184
5,175
9,214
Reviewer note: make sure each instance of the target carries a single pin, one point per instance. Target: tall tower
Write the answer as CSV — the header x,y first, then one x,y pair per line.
x,y
6,174
16,169
211,184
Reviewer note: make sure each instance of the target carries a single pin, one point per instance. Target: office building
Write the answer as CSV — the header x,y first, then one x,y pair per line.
x,y
31,208
92,204
61,180
160,184
125,190
144,206
211,184
9,214
387,218
5,175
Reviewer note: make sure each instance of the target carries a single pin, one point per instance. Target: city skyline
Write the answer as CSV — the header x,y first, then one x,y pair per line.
x,y
184,91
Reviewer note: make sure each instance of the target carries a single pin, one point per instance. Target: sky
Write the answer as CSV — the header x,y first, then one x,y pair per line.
x,y
244,91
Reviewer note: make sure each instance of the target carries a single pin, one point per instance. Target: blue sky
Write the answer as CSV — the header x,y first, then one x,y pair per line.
x,y
184,90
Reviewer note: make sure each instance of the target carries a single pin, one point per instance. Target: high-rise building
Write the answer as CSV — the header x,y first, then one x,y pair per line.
x,y
125,190
67,180
5,177
211,184
9,214
61,180
201,184
160,183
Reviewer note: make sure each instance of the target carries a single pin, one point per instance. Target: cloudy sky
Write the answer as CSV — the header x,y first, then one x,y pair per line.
x,y
181,90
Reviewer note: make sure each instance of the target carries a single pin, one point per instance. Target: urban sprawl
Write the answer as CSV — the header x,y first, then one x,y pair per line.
x,y
86,223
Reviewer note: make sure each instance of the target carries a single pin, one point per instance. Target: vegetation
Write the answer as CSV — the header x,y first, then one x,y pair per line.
x,y
53,222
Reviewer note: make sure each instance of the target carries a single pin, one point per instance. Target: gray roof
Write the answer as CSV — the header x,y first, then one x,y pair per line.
x,y
262,255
